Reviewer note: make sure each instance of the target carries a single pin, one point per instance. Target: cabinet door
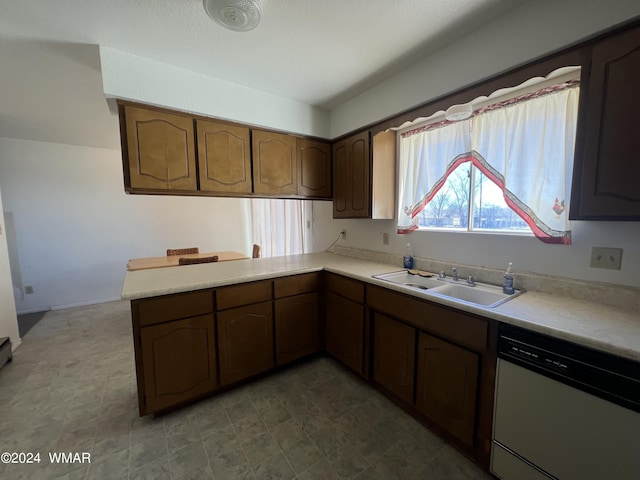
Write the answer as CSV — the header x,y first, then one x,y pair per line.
x,y
274,163
606,172
344,331
160,150
297,327
224,157
447,385
245,342
314,168
394,353
179,361
351,180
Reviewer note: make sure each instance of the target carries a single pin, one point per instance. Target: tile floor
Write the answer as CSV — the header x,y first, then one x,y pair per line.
x,y
71,388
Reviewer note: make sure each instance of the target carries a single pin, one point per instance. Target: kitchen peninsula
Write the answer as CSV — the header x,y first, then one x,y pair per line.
x,y
206,328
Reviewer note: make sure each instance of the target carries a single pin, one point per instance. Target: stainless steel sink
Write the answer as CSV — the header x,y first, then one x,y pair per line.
x,y
480,294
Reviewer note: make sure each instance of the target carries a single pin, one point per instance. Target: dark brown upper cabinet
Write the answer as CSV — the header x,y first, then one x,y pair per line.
x,y
274,163
314,168
364,173
606,167
224,157
158,150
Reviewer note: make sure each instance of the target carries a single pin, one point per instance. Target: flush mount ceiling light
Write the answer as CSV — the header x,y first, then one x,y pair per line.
x,y
237,15
458,112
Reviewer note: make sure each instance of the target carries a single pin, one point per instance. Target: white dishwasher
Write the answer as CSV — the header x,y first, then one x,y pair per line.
x,y
563,411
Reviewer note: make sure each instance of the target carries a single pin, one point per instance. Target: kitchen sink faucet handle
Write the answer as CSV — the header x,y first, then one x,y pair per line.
x,y
471,281
455,273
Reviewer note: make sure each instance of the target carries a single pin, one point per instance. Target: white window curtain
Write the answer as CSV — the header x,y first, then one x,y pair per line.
x,y
425,157
525,146
278,226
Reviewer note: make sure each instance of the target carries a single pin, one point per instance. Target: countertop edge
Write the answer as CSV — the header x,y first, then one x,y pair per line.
x,y
588,324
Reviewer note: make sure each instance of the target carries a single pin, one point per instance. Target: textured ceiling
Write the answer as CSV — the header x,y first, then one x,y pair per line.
x,y
320,52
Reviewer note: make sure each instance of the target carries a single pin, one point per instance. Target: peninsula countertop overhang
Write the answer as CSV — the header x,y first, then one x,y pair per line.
x,y
610,329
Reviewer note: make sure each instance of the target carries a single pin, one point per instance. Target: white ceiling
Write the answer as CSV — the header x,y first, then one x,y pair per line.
x,y
319,52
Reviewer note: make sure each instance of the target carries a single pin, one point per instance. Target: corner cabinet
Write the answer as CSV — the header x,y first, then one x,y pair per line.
x,y
364,171
606,171
297,319
351,177
344,322
158,150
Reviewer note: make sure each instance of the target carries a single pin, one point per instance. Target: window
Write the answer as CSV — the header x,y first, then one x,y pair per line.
x,y
506,169
451,208
278,226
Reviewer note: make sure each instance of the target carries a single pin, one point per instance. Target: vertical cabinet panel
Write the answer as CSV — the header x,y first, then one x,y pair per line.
x,y
179,359
351,179
394,352
606,172
297,327
314,168
340,182
160,150
224,157
274,163
447,386
245,336
344,331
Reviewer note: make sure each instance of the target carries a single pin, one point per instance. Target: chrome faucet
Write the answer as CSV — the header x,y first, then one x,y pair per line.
x,y
471,281
455,273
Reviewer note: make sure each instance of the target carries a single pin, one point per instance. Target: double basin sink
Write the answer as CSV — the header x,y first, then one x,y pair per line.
x,y
480,294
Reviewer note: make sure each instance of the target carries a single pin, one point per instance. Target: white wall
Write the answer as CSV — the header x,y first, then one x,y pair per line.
x,y
8,319
143,80
526,253
75,228
525,33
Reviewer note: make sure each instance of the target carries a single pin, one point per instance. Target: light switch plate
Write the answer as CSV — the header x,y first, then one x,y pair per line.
x,y
603,257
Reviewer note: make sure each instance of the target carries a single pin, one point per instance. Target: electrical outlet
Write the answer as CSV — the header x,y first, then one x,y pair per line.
x,y
308,223
343,234
385,238
28,289
610,258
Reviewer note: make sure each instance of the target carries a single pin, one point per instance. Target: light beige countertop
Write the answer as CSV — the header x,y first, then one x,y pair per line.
x,y
611,329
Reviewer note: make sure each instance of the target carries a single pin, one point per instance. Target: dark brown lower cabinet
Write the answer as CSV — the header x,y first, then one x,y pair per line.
x,y
179,361
245,341
344,331
297,327
447,385
394,353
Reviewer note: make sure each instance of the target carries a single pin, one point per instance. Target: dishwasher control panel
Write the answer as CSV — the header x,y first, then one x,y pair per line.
x,y
604,375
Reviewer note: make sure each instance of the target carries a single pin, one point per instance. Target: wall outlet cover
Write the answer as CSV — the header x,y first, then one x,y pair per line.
x,y
604,257
385,238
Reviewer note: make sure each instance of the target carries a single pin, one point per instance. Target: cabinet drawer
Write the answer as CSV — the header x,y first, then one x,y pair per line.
x,y
458,327
150,311
296,285
345,287
243,294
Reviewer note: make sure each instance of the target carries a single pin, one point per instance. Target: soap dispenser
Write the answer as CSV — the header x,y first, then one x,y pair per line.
x,y
507,281
407,260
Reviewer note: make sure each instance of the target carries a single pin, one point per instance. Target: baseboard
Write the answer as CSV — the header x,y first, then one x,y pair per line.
x,y
84,304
